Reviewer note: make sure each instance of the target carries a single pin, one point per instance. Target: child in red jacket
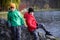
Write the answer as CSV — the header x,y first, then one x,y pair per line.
x,y
32,24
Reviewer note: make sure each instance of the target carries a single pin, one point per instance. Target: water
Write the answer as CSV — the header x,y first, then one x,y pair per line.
x,y
51,20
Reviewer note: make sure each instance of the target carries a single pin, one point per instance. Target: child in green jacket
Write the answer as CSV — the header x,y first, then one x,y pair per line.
x,y
16,20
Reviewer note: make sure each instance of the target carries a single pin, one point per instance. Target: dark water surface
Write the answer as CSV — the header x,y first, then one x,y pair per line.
x,y
51,20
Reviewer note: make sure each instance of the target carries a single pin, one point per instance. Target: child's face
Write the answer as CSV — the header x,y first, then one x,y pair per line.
x,y
32,13
12,9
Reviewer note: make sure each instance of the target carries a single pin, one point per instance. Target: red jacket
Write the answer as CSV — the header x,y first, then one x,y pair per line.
x,y
30,21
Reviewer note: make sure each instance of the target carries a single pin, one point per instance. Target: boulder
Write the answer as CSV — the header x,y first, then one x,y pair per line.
x,y
5,32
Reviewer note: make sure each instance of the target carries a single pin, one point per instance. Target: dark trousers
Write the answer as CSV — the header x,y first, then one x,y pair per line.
x,y
35,33
16,33
42,27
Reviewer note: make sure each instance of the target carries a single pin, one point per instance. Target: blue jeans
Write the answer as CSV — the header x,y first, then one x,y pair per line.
x,y
16,33
35,34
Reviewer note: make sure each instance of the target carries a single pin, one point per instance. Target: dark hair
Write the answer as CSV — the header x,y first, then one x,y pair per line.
x,y
30,10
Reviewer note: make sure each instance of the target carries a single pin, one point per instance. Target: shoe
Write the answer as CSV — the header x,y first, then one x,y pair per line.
x,y
48,33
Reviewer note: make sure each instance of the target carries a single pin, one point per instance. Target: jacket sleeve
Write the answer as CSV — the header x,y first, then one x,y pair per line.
x,y
22,18
30,24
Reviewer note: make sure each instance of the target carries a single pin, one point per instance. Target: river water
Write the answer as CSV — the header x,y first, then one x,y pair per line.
x,y
51,21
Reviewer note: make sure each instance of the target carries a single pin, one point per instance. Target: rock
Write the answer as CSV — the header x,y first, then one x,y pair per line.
x,y
5,32
25,35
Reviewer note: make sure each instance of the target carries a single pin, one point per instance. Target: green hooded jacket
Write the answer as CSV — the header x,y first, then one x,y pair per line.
x,y
15,18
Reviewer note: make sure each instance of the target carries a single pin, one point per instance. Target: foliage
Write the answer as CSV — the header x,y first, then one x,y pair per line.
x,y
5,3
